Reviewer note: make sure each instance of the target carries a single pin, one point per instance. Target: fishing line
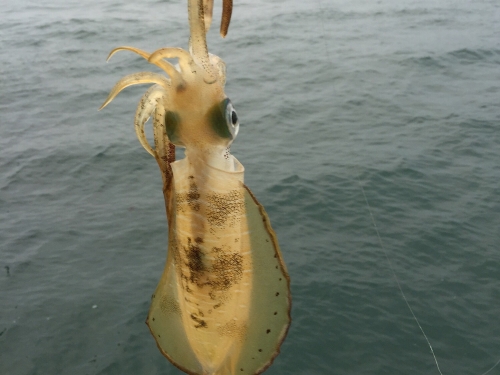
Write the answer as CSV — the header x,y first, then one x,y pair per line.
x,y
397,279
394,272
495,365
381,244
378,233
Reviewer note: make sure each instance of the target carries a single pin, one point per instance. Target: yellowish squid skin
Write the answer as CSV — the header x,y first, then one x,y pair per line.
x,y
222,305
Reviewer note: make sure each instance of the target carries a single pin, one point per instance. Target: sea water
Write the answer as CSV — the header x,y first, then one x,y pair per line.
x,y
397,100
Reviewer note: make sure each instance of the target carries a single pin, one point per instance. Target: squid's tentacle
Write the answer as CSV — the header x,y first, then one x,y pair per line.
x,y
153,98
227,10
159,128
197,40
136,79
208,8
186,62
165,65
163,146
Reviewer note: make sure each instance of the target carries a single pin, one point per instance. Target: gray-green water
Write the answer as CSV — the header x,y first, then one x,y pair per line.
x,y
398,97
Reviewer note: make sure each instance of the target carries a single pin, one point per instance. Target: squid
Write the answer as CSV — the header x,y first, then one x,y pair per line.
x,y
222,305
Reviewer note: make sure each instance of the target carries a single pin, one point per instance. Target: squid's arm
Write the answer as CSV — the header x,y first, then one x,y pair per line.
x,y
135,79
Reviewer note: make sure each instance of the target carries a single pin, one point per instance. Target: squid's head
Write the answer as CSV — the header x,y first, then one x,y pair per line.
x,y
199,115
190,107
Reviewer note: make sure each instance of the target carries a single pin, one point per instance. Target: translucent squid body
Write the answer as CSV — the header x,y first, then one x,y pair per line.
x,y
222,306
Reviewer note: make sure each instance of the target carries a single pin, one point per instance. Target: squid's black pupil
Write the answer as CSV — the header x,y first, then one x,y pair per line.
x,y
234,118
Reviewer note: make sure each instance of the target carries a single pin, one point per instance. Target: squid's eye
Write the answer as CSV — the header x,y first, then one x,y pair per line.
x,y
232,119
224,121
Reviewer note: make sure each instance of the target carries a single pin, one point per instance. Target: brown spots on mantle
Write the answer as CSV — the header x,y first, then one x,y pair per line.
x,y
195,262
227,270
169,305
200,323
225,209
220,273
233,329
191,198
193,195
